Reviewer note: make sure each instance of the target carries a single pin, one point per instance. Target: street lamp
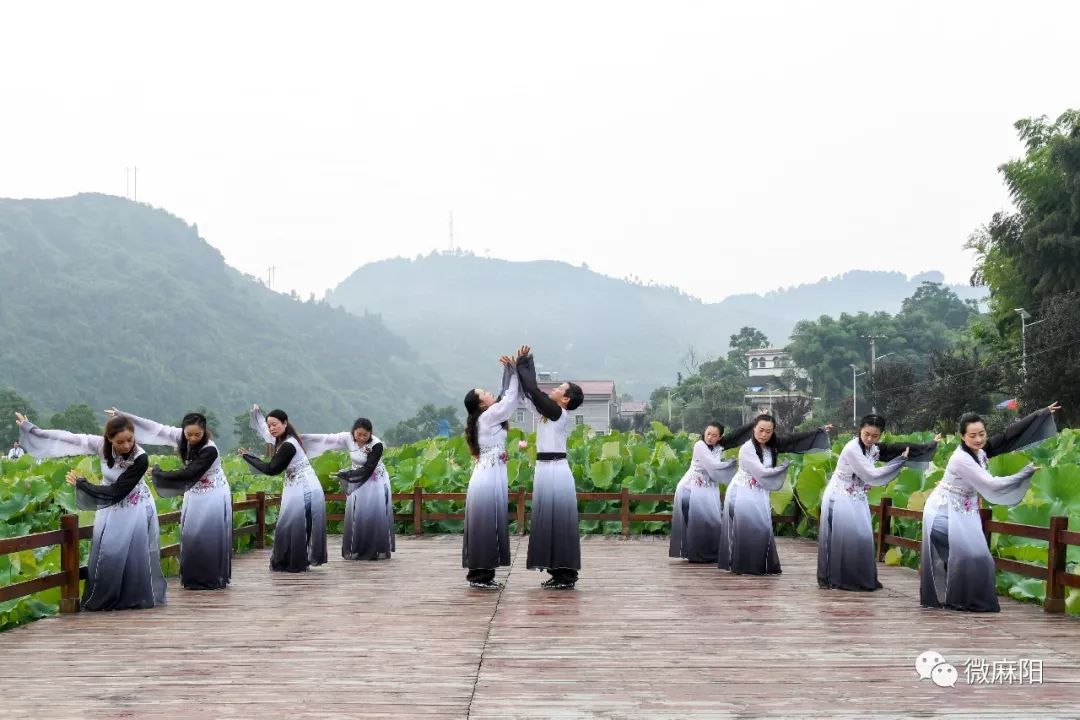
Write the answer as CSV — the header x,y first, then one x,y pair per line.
x,y
1024,325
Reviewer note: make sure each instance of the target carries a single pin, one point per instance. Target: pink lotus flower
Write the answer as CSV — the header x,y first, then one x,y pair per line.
x,y
522,444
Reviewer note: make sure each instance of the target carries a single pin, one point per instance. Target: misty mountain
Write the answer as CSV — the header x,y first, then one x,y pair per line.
x,y
105,301
461,311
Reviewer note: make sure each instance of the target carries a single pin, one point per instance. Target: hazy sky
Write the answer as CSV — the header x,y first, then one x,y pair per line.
x,y
722,147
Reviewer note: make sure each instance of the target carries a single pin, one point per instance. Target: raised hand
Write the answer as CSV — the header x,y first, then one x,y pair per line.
x,y
523,351
255,408
1054,407
827,428
72,477
939,438
506,360
112,412
19,419
907,451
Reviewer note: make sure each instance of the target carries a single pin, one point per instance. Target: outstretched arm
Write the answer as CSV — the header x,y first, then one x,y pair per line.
x,y
43,443
278,462
89,496
1008,490
868,472
815,440
1023,433
365,471
527,377
315,445
258,424
148,432
771,478
718,469
170,483
735,438
504,408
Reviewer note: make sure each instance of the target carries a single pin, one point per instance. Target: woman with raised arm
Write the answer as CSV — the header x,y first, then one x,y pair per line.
x,y
746,534
486,544
369,513
300,535
697,511
846,558
124,569
206,515
957,570
554,539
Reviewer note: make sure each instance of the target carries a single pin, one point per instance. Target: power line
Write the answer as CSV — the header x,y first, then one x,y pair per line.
x,y
999,363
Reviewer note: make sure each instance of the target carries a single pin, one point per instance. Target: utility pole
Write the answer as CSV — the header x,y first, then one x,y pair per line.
x,y
873,338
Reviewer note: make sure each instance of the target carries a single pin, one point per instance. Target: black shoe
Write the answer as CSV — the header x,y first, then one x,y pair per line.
x,y
488,585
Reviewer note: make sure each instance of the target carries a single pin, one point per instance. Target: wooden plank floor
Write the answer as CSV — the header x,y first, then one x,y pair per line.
x,y
642,636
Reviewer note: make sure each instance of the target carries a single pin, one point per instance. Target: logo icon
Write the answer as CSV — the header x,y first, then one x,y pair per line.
x,y
931,666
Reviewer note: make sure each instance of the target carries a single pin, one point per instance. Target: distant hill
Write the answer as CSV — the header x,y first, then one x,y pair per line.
x,y
106,301
459,311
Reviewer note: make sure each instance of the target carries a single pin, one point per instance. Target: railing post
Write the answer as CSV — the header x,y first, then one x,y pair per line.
x,y
883,528
984,518
417,510
624,511
521,510
1055,566
69,564
260,520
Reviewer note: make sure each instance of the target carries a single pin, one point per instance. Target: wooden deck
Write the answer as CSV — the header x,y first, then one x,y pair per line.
x,y
642,636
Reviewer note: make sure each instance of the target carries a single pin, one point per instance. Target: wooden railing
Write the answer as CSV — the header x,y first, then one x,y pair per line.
x,y
70,534
520,499
1057,536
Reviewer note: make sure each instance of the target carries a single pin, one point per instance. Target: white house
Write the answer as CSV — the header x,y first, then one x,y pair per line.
x,y
766,369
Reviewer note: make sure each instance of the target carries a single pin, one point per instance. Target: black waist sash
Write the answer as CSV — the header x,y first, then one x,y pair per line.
x,y
549,456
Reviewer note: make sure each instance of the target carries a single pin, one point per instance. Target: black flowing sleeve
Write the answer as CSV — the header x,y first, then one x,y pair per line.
x,y
527,377
921,453
170,483
738,436
277,464
365,471
89,496
816,440
1023,433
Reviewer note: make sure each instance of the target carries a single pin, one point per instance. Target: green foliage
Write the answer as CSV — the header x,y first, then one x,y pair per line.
x,y
426,423
195,330
243,434
12,402
77,419
915,346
